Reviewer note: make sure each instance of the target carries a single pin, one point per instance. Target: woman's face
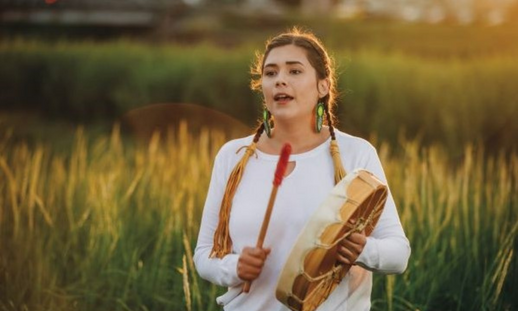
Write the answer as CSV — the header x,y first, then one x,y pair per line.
x,y
290,85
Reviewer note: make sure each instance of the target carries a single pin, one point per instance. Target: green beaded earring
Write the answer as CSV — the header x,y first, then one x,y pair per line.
x,y
266,121
320,117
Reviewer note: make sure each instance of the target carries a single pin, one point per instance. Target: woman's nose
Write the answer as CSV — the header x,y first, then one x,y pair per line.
x,y
280,80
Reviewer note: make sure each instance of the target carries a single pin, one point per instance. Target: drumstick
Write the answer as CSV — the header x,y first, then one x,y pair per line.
x,y
279,175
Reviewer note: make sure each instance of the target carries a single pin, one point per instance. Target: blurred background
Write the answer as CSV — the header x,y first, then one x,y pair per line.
x,y
439,71
111,112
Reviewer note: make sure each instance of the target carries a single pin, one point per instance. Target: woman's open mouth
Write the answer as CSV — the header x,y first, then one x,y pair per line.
x,y
282,98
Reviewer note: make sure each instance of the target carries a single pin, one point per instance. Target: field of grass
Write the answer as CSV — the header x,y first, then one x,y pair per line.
x,y
110,225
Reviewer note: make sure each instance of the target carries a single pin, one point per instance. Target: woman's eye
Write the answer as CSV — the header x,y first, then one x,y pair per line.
x,y
295,71
269,73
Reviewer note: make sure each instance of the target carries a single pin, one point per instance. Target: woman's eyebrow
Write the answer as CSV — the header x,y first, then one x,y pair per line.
x,y
294,62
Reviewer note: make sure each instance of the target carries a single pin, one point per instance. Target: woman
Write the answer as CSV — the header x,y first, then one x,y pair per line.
x,y
296,77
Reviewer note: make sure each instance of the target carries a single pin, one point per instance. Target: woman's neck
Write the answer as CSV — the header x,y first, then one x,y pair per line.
x,y
301,137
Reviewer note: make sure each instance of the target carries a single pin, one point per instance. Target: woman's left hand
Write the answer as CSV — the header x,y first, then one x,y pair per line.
x,y
350,248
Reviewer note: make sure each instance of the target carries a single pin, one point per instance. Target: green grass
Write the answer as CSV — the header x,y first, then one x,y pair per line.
x,y
454,101
109,225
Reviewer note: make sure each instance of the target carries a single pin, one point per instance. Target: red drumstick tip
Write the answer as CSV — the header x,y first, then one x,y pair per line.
x,y
282,164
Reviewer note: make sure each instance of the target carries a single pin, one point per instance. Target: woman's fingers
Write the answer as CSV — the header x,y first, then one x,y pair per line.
x,y
249,273
355,242
251,262
344,255
351,247
257,252
357,238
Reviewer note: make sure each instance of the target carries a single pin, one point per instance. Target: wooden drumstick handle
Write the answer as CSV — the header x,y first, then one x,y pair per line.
x,y
279,175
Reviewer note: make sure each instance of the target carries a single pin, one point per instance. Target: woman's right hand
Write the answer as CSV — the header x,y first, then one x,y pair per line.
x,y
251,262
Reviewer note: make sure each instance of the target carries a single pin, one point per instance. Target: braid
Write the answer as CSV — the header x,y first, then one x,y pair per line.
x,y
258,133
222,241
330,122
335,151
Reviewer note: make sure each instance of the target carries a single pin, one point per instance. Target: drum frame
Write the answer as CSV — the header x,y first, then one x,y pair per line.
x,y
318,273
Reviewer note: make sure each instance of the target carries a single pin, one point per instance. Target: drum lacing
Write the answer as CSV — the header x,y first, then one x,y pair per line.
x,y
346,234
334,272
360,225
308,277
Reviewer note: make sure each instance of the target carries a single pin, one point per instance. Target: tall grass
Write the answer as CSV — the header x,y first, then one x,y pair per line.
x,y
102,227
111,226
461,219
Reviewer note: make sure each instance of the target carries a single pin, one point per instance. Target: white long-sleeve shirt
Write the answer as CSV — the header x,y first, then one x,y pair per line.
x,y
300,194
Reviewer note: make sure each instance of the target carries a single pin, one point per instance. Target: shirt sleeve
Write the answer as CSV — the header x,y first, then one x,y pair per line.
x,y
387,249
219,271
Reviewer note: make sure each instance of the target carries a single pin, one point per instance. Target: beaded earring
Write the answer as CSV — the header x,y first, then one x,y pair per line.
x,y
319,120
267,123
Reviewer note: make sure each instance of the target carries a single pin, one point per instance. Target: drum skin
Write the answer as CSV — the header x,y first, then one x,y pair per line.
x,y
311,271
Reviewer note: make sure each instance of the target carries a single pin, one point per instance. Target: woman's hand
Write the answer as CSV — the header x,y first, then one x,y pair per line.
x,y
251,262
350,248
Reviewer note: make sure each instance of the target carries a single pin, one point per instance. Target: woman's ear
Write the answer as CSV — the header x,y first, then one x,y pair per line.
x,y
323,87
